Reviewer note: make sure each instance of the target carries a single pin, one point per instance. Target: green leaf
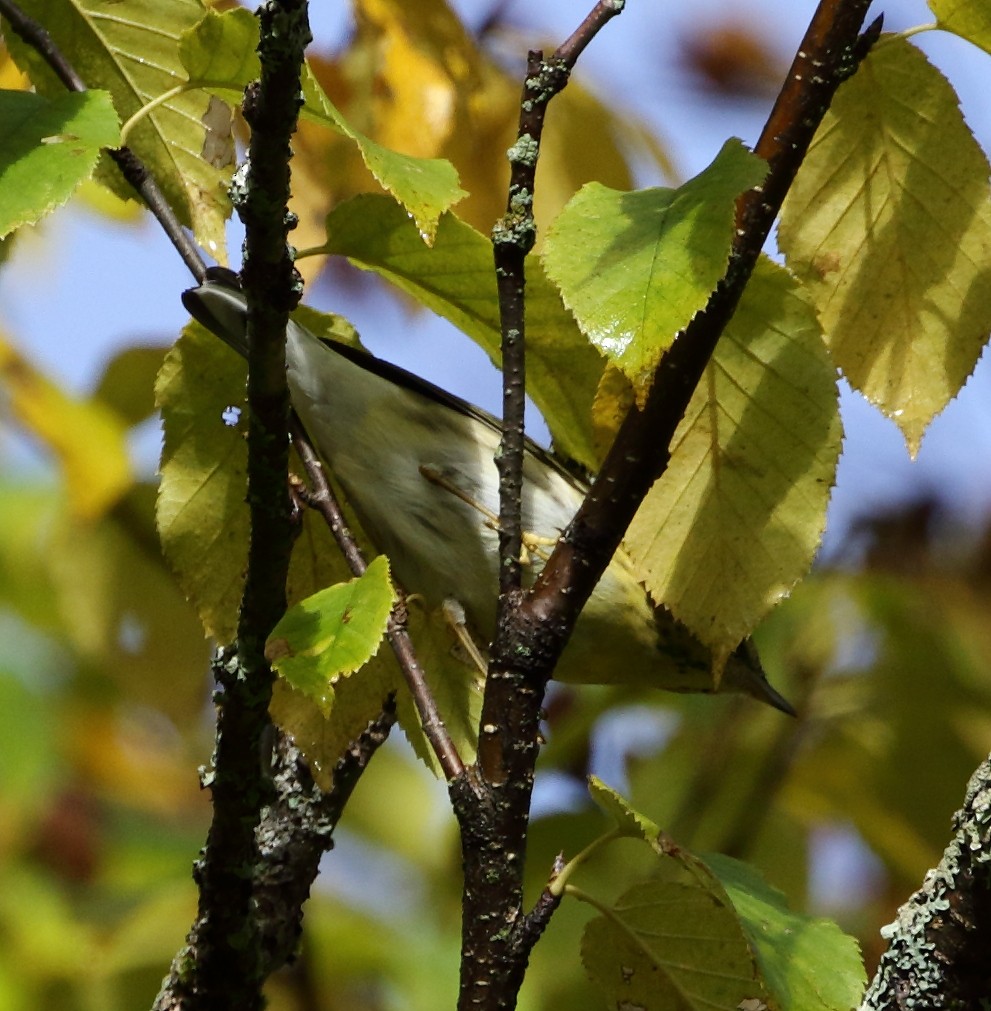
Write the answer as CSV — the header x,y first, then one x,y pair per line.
x,y
629,822
127,383
334,632
806,963
121,610
130,48
889,226
970,19
50,146
455,279
635,267
201,514
672,946
220,53
735,520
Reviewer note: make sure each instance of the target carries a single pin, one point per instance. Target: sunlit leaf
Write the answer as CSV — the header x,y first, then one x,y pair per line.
x,y
889,226
735,520
970,19
86,437
455,278
333,632
220,53
202,515
130,48
635,267
628,821
50,146
806,963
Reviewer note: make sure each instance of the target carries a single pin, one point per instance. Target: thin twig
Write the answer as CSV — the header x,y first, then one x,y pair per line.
x,y
492,799
320,496
131,167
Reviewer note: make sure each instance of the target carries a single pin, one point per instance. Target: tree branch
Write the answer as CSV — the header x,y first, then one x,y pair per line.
x,y
132,168
492,798
297,829
225,965
938,955
321,497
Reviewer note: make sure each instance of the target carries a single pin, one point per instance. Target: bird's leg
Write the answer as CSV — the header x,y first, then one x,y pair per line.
x,y
454,614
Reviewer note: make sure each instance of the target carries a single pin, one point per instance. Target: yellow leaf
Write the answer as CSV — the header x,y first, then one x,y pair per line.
x,y
87,438
735,520
889,227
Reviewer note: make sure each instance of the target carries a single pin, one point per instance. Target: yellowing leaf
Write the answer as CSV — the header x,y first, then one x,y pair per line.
x,y
970,19
323,731
201,514
50,147
219,52
455,683
671,945
455,278
889,227
735,520
86,437
333,632
635,267
130,48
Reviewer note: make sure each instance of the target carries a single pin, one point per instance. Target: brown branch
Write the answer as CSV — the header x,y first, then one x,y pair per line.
x,y
512,239
131,167
492,798
320,496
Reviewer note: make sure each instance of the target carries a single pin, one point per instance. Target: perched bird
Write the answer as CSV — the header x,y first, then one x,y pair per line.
x,y
416,465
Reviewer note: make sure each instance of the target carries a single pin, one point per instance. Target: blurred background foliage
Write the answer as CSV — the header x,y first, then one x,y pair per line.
x,y
105,698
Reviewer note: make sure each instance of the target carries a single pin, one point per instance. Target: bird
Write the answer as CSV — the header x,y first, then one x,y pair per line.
x,y
416,465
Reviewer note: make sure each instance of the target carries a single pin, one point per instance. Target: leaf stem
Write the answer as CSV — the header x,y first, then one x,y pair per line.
x,y
560,880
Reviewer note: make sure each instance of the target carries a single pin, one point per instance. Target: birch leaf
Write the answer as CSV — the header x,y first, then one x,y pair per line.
x,y
735,520
635,267
889,227
970,19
